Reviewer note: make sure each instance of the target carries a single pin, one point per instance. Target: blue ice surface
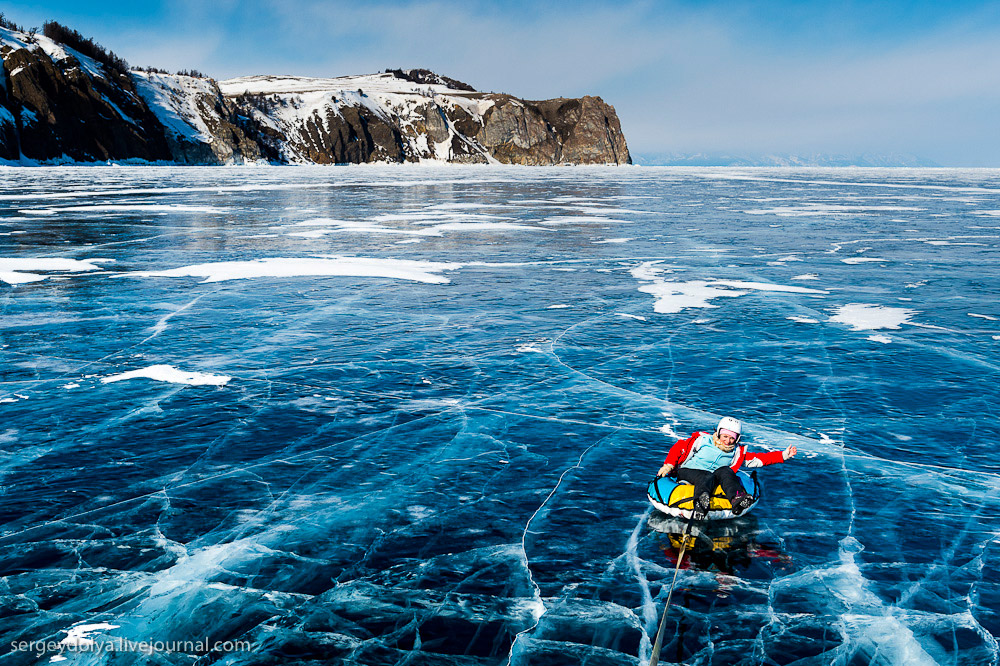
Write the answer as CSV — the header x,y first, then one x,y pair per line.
x,y
453,470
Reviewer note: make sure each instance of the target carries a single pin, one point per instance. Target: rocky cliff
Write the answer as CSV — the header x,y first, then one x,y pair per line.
x,y
58,105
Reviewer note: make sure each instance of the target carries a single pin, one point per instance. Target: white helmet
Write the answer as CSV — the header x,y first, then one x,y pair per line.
x,y
734,425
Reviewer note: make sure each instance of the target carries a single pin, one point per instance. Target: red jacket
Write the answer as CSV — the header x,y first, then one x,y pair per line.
x,y
680,452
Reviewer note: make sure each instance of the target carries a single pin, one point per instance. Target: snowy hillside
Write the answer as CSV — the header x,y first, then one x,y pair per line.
x,y
196,119
177,102
306,109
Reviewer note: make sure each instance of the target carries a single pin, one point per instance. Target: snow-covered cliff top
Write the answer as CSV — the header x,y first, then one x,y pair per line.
x,y
369,83
385,94
55,51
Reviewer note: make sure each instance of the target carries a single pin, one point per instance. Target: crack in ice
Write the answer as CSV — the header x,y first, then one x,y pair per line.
x,y
539,608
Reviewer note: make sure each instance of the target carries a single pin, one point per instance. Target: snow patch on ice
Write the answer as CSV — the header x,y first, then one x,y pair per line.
x,y
158,191
14,277
79,635
668,428
828,209
868,317
15,270
326,266
766,286
484,226
862,260
46,264
349,226
672,296
170,374
315,233
580,219
535,347
132,208
948,242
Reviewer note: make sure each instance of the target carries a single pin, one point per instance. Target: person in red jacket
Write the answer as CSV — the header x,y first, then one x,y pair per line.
x,y
707,460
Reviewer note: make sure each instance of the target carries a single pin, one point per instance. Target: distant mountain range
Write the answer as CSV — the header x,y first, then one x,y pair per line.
x,y
816,160
64,99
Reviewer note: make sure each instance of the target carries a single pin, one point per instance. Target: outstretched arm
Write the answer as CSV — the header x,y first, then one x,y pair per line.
x,y
768,457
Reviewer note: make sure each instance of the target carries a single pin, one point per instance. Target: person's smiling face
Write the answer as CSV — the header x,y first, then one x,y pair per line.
x,y
725,441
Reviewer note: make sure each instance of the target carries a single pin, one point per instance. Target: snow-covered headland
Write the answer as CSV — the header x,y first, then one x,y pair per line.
x,y
61,106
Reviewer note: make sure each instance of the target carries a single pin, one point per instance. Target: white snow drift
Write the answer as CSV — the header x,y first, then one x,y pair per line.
x,y
868,317
282,267
170,374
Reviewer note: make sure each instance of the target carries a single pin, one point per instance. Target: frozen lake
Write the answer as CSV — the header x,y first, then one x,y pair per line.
x,y
407,415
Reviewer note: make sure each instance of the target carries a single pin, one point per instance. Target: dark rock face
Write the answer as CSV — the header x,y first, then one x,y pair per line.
x,y
588,129
10,148
462,147
354,136
361,136
555,131
61,111
517,133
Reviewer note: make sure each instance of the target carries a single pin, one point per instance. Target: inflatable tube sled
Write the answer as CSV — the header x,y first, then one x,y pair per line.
x,y
676,498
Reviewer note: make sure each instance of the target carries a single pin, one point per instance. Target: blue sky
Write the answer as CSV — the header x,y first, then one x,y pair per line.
x,y
921,78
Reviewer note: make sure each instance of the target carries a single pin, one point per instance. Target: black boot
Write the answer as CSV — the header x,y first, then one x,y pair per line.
x,y
741,503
